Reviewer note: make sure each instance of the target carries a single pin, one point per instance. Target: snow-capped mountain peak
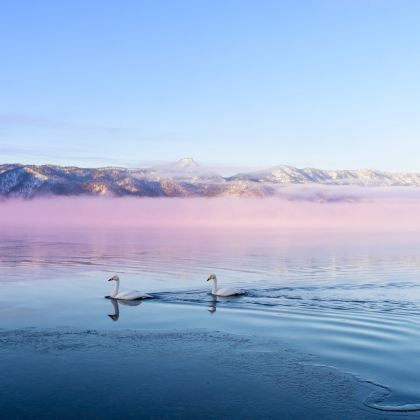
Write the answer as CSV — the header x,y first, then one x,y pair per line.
x,y
187,162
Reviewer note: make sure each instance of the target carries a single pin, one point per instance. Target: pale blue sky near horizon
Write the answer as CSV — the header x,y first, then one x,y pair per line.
x,y
321,83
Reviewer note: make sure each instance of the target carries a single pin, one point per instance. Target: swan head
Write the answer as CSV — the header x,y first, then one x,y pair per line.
x,y
212,277
114,278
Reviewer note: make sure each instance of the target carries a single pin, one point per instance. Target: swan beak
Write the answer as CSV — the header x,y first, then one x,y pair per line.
x,y
208,279
112,278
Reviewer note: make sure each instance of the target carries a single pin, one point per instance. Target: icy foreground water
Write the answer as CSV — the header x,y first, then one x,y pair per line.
x,y
350,303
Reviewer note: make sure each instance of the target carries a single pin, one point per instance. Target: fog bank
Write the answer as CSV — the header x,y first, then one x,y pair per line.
x,y
386,214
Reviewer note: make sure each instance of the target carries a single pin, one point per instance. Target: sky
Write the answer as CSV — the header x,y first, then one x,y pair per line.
x,y
324,83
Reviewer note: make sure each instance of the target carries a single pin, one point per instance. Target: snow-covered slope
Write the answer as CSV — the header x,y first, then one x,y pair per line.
x,y
185,178
363,177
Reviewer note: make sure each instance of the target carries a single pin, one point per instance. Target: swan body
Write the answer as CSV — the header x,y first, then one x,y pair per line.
x,y
128,294
223,292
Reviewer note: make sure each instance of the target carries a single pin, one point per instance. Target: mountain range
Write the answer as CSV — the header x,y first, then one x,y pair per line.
x,y
184,178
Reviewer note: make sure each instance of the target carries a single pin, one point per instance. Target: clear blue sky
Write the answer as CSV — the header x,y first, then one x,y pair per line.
x,y
327,83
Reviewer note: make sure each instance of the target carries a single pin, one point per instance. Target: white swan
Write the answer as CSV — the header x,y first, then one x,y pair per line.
x,y
127,295
223,292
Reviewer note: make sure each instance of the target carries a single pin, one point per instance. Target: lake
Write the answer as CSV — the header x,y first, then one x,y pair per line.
x,y
349,303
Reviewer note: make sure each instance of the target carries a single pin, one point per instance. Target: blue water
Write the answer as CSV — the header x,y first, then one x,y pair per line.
x,y
353,301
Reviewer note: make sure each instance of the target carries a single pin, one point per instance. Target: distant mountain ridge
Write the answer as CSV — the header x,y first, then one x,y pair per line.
x,y
363,177
184,178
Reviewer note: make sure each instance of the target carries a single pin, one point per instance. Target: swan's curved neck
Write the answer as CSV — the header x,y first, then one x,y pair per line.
x,y
117,287
214,289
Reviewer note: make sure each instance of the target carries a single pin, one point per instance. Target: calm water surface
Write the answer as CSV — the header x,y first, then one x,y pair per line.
x,y
353,301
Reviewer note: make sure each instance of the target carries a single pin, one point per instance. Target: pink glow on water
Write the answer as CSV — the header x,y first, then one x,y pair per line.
x,y
381,215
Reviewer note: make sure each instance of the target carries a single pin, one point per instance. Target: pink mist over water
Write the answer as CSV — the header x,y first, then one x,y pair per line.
x,y
384,215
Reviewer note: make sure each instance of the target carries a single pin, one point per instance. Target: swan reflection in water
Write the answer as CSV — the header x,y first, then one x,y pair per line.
x,y
215,300
115,304
212,304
